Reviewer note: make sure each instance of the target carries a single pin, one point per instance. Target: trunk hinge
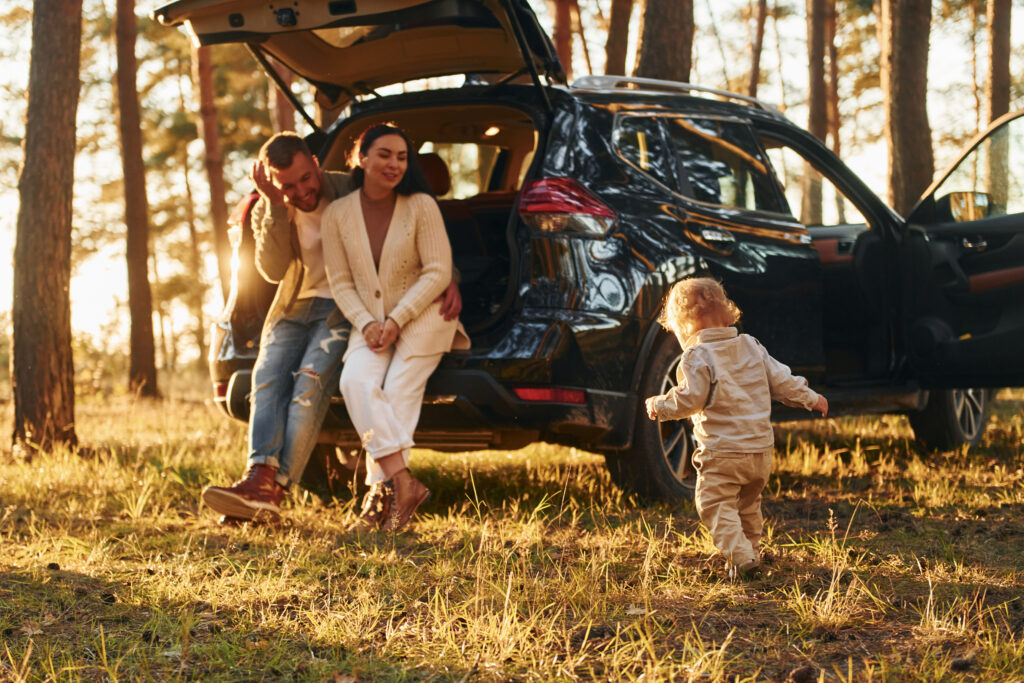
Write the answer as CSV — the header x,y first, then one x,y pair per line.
x,y
524,48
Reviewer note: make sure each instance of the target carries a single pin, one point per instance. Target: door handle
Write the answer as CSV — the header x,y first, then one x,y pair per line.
x,y
980,244
719,236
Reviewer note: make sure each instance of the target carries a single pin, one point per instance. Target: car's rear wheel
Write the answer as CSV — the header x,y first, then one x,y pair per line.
x,y
659,465
951,418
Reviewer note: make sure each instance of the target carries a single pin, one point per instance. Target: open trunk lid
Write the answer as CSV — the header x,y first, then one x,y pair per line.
x,y
347,48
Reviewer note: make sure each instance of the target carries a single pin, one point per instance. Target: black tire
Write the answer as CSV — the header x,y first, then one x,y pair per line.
x,y
951,418
658,466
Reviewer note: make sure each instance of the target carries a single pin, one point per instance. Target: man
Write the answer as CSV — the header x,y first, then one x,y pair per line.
x,y
304,335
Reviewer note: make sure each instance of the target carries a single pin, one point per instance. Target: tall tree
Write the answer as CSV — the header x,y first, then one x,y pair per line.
x,y
563,35
666,48
42,371
283,111
760,17
817,102
142,361
997,83
213,160
618,37
904,29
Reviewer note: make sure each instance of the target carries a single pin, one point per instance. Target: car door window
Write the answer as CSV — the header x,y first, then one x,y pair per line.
x,y
720,163
639,140
988,181
813,199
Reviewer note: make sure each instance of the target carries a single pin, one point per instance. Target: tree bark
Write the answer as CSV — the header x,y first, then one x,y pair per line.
x,y
817,118
563,36
756,47
213,160
618,37
998,81
834,122
904,28
666,49
142,363
283,111
42,369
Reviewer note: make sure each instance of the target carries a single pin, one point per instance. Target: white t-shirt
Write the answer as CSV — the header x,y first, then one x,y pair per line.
x,y
314,281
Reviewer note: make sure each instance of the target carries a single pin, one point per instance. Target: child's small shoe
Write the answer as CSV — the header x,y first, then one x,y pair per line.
x,y
750,569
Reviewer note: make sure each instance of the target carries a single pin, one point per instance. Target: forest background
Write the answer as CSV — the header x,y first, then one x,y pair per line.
x,y
824,73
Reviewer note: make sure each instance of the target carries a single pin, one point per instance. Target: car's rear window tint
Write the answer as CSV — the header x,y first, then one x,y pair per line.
x,y
720,163
639,140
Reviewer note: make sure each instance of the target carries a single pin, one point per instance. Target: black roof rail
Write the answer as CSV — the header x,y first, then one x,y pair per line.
x,y
611,82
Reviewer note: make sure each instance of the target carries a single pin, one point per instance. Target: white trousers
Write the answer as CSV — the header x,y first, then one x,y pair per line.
x,y
383,395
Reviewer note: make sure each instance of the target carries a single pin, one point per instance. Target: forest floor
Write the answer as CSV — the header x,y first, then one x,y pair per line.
x,y
884,564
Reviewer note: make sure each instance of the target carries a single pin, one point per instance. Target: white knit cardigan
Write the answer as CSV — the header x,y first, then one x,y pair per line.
x,y
415,268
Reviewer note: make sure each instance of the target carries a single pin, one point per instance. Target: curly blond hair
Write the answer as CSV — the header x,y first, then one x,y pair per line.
x,y
695,303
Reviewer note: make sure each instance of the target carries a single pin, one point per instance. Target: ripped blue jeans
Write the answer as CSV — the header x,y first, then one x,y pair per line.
x,y
295,375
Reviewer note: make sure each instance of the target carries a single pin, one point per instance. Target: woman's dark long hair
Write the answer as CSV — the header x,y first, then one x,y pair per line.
x,y
412,182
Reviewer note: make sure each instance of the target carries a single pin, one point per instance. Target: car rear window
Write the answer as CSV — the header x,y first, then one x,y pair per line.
x,y
720,163
639,140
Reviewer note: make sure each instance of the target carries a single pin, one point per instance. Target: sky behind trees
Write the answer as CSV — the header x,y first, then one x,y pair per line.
x,y
721,58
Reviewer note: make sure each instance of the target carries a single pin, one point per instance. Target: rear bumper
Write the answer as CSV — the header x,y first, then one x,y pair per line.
x,y
471,410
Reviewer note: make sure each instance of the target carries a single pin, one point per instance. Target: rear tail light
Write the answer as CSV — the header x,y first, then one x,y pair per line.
x,y
562,205
550,395
220,389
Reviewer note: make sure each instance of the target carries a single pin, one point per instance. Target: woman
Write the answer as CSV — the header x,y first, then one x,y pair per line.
x,y
388,258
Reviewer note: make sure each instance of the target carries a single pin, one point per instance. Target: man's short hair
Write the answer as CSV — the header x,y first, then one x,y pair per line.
x,y
280,150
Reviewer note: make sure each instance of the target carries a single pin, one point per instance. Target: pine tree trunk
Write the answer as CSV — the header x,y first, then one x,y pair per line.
x,y
42,370
283,111
142,364
998,80
997,96
618,37
817,119
756,47
563,36
666,48
195,296
904,28
202,77
834,122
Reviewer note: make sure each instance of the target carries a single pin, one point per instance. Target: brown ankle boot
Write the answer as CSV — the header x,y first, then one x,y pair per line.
x,y
256,494
376,504
410,493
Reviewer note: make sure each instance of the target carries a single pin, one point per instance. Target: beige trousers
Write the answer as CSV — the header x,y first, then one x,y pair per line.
x,y
383,395
728,498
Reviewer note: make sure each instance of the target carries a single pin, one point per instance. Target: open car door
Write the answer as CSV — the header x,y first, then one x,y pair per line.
x,y
347,48
963,267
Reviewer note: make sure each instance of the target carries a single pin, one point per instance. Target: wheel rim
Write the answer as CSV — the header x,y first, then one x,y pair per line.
x,y
674,436
969,408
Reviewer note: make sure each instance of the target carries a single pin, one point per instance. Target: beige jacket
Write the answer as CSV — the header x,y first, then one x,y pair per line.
x,y
278,255
415,268
726,383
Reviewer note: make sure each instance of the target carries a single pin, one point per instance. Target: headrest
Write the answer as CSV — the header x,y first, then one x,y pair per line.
x,y
436,172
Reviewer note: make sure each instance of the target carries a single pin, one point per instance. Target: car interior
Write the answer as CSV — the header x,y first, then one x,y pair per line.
x,y
475,159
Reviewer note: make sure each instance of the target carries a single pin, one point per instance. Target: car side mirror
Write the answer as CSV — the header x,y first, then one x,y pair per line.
x,y
967,205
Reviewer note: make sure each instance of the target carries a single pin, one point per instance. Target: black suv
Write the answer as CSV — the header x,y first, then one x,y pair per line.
x,y
573,209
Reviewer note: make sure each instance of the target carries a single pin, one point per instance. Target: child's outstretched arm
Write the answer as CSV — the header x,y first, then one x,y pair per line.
x,y
789,388
686,398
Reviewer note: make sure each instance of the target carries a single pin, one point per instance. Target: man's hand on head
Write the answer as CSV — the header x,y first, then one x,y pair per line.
x,y
261,177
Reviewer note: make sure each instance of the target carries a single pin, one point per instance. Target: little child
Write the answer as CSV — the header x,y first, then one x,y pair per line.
x,y
726,383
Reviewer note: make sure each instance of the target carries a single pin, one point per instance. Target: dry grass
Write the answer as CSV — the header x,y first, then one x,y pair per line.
x,y
886,565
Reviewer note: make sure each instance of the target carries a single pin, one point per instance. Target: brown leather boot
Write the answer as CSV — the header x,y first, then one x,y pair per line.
x,y
257,494
410,493
376,505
